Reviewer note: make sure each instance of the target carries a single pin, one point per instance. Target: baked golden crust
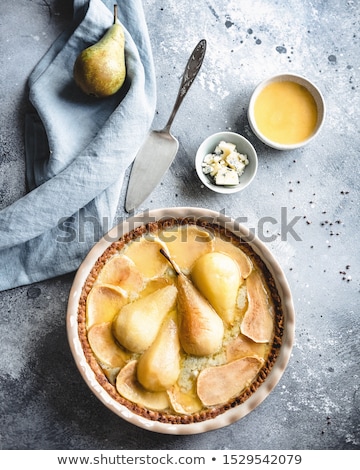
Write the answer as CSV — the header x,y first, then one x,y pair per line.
x,y
205,413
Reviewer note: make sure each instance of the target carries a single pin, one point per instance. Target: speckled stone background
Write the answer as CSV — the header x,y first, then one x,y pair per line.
x,y
44,402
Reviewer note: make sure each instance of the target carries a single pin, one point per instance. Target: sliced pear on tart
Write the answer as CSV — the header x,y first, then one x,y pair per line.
x,y
154,284
185,243
159,367
111,373
201,330
104,347
138,323
217,276
243,261
145,253
242,346
258,322
121,271
128,387
184,402
220,384
104,301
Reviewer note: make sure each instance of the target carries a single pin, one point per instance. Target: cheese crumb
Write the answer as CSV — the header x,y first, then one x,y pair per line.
x,y
225,165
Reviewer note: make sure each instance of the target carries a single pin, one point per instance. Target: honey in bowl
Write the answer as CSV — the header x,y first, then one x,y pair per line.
x,y
286,112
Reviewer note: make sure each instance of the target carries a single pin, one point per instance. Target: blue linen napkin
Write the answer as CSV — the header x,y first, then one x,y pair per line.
x,y
77,149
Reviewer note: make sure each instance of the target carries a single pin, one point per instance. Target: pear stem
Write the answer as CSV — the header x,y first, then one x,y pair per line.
x,y
115,12
173,264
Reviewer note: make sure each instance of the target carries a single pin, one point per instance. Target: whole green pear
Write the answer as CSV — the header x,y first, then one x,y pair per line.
x,y
100,69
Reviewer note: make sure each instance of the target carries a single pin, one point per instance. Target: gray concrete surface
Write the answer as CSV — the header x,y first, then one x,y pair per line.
x,y
44,402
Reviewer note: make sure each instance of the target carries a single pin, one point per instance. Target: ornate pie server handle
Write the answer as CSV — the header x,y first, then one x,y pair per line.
x,y
191,70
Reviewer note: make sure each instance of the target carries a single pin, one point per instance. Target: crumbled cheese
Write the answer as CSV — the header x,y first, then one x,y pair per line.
x,y
226,176
242,297
225,165
207,169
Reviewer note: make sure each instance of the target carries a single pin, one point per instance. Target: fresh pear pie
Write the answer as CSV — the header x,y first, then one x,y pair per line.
x,y
180,320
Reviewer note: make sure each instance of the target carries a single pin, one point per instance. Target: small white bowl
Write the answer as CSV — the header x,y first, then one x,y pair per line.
x,y
242,145
315,92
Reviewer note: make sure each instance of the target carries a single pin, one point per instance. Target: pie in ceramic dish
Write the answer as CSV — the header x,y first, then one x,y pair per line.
x,y
180,321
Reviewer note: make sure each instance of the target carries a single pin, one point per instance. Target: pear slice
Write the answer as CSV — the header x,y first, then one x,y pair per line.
x,y
145,253
159,367
241,346
201,329
121,271
258,322
104,347
184,403
111,373
217,385
154,284
128,386
243,261
186,243
218,278
103,303
138,323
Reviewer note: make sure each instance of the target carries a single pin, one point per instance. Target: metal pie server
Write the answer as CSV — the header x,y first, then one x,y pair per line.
x,y
160,147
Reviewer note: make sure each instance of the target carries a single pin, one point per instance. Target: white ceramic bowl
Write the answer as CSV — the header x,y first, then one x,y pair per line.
x,y
315,92
243,146
231,415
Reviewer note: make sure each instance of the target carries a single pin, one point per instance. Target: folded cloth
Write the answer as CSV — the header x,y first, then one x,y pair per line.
x,y
77,149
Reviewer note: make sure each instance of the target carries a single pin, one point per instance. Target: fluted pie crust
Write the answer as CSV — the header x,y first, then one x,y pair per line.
x,y
210,412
